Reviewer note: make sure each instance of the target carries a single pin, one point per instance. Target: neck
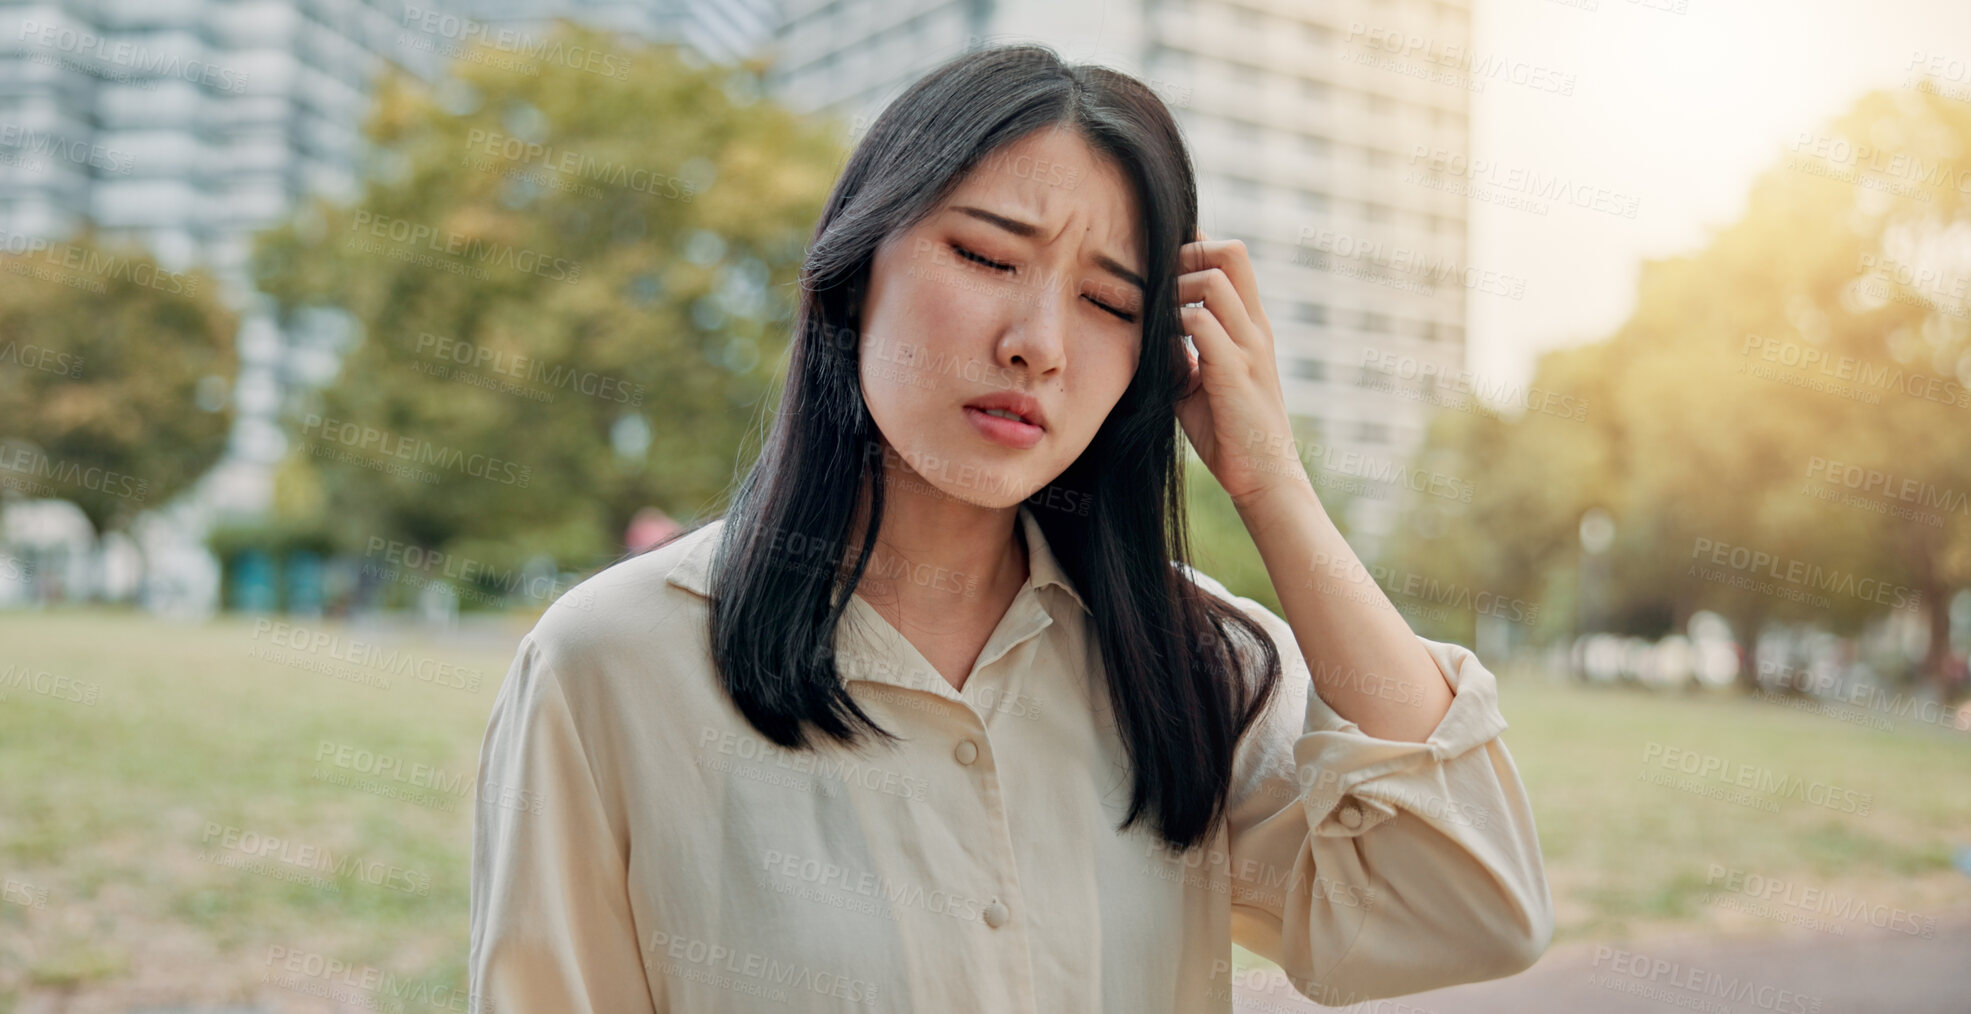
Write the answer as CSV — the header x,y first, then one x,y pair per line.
x,y
944,556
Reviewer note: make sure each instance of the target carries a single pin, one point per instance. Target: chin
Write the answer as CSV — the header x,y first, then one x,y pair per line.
x,y
970,480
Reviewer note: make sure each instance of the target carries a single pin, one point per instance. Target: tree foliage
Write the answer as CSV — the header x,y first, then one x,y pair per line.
x,y
572,282
1799,390
115,377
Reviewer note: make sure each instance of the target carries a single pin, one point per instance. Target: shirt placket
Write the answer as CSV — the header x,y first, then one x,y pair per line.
x,y
1004,915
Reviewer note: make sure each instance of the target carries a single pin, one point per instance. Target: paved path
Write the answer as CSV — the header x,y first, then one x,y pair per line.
x,y
1877,973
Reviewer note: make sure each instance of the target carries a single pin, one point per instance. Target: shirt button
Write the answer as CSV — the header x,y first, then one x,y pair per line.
x,y
1351,815
967,751
996,914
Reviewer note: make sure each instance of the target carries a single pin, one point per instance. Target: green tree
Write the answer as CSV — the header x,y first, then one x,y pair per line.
x,y
1799,389
115,377
572,282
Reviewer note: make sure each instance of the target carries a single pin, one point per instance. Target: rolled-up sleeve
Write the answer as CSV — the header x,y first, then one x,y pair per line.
x,y
551,925
1370,868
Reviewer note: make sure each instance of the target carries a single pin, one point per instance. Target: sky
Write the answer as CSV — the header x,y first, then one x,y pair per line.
x,y
1675,112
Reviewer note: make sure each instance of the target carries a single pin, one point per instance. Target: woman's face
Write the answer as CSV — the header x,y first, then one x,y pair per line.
x,y
1023,286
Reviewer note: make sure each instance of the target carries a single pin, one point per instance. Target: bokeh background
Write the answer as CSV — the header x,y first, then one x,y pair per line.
x,y
1629,342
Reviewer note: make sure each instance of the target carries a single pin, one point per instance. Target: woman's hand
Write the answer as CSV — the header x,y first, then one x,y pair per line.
x,y
1233,411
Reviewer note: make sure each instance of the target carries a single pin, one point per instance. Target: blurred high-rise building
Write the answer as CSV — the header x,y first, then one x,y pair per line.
x,y
1316,129
190,125
721,31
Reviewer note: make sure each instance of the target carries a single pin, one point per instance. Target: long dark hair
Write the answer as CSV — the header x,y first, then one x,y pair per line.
x,y
1177,680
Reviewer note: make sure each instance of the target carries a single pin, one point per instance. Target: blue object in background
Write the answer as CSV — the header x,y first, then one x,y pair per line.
x,y
252,583
301,579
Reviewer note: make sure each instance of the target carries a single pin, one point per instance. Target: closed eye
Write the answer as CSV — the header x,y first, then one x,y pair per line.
x,y
976,259
1124,314
996,266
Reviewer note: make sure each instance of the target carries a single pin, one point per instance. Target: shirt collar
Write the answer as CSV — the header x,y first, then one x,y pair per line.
x,y
691,572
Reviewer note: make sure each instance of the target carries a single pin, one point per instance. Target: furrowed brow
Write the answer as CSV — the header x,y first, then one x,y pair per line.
x,y
1028,230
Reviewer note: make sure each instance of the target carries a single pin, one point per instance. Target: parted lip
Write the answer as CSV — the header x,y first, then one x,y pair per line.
x,y
1012,401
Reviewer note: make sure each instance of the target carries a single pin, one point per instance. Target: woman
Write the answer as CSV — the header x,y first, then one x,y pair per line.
x,y
936,717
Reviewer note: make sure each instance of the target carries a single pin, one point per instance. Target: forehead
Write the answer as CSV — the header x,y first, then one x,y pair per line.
x,y
1052,177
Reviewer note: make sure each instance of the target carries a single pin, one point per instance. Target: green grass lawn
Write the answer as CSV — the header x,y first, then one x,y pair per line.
x,y
126,816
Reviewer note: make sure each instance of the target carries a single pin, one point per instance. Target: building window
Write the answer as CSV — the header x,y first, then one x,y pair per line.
x,y
1375,322
1310,369
1312,313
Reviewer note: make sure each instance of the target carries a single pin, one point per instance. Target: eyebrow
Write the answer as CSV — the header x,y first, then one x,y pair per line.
x,y
1030,230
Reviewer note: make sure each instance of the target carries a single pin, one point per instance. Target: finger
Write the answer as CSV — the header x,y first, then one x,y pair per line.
x,y
1215,288
1229,256
1216,349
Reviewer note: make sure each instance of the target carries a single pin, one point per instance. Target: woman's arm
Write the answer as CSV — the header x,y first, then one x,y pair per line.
x,y
1380,840
1370,867
550,909
1367,663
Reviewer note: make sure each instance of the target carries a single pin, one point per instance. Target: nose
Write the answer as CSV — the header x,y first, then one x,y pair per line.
x,y
1036,337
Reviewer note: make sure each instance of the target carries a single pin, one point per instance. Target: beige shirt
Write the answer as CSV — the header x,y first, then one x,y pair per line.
x,y
637,847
